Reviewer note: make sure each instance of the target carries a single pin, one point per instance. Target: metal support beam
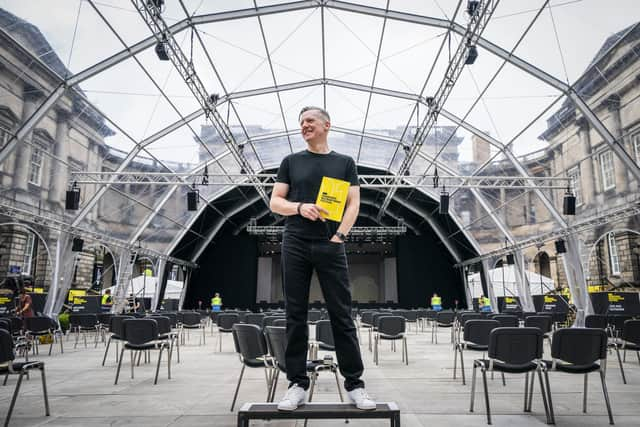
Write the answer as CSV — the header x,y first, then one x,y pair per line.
x,y
477,23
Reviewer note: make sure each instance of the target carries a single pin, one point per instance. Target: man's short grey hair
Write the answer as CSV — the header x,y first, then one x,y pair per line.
x,y
322,112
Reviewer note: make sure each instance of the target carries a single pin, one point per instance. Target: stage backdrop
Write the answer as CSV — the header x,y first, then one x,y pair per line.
x,y
424,267
229,267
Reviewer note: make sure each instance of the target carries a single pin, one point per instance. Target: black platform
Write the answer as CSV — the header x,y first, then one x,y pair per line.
x,y
269,411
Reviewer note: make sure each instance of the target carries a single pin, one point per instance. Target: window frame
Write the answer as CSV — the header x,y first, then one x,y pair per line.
x,y
635,143
614,258
575,175
29,254
603,173
36,147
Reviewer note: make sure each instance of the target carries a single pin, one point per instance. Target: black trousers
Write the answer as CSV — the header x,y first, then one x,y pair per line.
x,y
299,258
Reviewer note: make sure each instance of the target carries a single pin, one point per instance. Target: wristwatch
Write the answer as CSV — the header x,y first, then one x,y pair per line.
x,y
340,236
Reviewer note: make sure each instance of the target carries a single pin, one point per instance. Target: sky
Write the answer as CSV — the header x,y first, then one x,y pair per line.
x,y
562,42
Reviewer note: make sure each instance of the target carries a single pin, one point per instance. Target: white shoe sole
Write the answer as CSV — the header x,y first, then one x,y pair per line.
x,y
289,408
367,408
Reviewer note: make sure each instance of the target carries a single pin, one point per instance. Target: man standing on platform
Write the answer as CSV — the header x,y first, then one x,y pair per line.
x,y
310,242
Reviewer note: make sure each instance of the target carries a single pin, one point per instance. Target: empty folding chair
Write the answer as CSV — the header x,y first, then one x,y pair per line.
x,y
82,324
252,346
254,319
9,367
443,319
461,319
323,339
366,321
277,342
192,320
280,321
507,320
116,333
36,327
269,319
515,351
391,328
475,337
225,325
142,335
630,340
313,316
580,351
544,323
598,321
166,333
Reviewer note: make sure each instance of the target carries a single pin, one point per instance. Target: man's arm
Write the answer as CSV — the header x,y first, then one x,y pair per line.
x,y
280,205
351,211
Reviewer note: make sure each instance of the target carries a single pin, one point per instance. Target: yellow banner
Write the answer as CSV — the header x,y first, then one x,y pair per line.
x,y
548,299
615,298
76,293
333,197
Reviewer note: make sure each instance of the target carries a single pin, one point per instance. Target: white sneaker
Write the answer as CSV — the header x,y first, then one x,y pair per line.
x,y
361,399
294,397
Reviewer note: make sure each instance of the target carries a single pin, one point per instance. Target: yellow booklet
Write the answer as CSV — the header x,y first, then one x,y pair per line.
x,y
333,197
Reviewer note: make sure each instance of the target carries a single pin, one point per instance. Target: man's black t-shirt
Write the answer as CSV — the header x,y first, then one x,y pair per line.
x,y
303,171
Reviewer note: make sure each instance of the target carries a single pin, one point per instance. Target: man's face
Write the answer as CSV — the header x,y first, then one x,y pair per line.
x,y
313,126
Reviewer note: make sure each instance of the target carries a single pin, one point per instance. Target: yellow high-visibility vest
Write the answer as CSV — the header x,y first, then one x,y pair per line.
x,y
436,301
486,302
106,299
216,301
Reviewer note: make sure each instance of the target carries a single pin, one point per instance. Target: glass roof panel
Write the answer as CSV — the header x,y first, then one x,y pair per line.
x,y
294,100
388,113
442,9
295,45
404,44
260,114
347,107
354,33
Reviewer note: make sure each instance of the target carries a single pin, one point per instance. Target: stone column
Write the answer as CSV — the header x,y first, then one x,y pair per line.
x,y
31,99
615,127
587,184
60,150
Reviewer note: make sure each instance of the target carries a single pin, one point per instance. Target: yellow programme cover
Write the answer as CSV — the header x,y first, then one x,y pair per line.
x,y
333,197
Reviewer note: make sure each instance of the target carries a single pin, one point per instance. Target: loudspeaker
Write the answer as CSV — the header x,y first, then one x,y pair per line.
x,y
569,204
560,246
72,199
192,200
511,259
444,203
77,244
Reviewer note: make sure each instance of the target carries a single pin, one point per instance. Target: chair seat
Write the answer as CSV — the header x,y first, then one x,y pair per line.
x,y
509,368
326,347
631,346
256,363
477,347
318,365
572,369
40,333
19,366
192,326
145,346
390,337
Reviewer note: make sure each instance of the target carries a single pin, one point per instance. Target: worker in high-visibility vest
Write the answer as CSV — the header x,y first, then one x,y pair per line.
x,y
107,301
436,302
484,304
216,302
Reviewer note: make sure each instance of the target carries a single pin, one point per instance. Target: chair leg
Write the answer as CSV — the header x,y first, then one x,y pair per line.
x,y
406,351
455,361
532,382
14,398
133,359
235,395
462,366
504,383
486,394
552,417
335,373
473,386
369,338
624,379
61,347
526,392
44,391
274,385
314,375
155,381
119,364
544,396
584,396
168,364
606,397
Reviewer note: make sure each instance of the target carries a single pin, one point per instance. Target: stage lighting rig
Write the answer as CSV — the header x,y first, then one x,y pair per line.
x,y
569,203
161,50
472,55
192,198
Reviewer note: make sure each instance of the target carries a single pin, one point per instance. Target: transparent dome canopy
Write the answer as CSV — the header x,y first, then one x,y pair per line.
x,y
374,65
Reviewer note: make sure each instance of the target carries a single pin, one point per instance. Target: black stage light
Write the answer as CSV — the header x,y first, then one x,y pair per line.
x,y
214,98
472,54
72,198
161,51
560,246
160,3
472,7
192,199
511,259
444,203
569,204
77,244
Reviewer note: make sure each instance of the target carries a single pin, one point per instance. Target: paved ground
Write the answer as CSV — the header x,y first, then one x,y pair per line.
x,y
82,392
